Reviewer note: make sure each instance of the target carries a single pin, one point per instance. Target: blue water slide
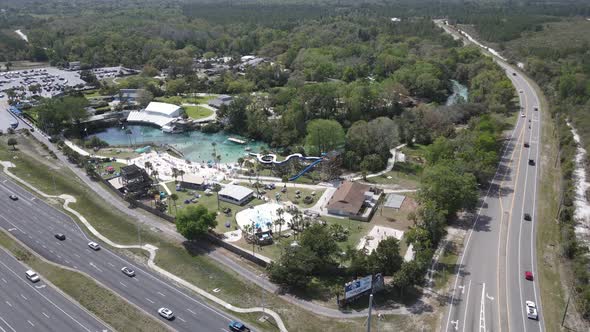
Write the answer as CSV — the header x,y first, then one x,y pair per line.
x,y
305,170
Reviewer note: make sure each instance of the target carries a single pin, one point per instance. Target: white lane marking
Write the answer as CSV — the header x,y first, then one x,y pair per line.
x,y
10,305
482,310
491,298
455,324
96,267
77,255
122,284
23,297
38,292
40,286
33,325
192,312
111,264
181,319
4,280
75,267
67,261
150,301
467,306
161,294
13,225
5,322
44,314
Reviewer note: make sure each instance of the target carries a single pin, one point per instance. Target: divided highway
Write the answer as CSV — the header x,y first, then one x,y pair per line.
x,y
27,306
489,290
35,223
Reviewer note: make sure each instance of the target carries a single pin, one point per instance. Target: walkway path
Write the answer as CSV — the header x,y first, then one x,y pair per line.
x,y
390,164
147,247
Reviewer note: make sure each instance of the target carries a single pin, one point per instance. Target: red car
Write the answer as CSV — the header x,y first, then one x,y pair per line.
x,y
528,275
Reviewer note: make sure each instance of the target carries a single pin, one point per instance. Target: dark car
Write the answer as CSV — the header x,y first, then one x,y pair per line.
x,y
60,236
513,74
536,108
238,327
527,217
526,144
531,162
13,197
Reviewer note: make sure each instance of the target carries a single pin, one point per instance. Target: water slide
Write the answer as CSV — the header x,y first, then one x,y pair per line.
x,y
268,159
310,166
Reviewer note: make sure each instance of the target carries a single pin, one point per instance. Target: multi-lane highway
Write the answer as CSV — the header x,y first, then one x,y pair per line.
x,y
27,306
34,222
489,290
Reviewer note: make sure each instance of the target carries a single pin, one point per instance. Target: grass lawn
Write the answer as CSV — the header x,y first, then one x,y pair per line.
x,y
94,93
105,304
179,100
406,175
101,168
197,112
290,195
191,265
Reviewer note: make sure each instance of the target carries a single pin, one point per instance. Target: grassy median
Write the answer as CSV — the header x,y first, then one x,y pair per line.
x,y
105,304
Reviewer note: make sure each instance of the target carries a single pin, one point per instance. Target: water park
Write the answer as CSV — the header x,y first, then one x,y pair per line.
x,y
258,222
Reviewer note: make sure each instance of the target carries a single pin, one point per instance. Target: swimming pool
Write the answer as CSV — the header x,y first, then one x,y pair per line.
x,y
195,145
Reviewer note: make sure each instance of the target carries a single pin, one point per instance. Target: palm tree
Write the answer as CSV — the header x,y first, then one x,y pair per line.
x,y
155,174
181,173
174,198
214,154
175,173
217,188
280,220
148,165
241,161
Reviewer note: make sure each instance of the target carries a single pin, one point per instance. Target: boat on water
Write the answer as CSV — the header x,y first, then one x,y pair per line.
x,y
247,148
236,140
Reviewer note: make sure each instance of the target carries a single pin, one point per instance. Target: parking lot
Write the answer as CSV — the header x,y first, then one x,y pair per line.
x,y
51,81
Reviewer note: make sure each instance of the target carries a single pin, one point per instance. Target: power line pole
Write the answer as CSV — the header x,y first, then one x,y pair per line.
x,y
369,315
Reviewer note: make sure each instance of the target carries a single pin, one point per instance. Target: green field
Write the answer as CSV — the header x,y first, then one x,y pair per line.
x,y
179,100
197,112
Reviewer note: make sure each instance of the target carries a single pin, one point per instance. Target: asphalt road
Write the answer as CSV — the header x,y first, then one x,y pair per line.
x,y
27,306
34,222
489,290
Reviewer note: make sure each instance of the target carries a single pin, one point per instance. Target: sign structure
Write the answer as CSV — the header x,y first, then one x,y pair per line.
x,y
357,287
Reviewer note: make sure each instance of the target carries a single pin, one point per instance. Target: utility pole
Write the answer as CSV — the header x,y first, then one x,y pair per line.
x,y
566,306
369,315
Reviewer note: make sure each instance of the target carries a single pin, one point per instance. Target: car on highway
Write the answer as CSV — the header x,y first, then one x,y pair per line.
x,y
522,115
513,74
13,197
32,275
531,310
526,144
128,272
527,217
532,162
60,236
536,108
238,326
528,275
166,313
521,91
94,245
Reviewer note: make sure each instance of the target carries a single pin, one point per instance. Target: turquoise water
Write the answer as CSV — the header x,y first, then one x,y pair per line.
x,y
196,146
459,90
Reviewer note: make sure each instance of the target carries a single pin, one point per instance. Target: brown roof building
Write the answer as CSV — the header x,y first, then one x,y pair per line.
x,y
353,200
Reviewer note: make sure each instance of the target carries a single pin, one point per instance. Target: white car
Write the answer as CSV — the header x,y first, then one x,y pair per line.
x,y
32,275
94,245
166,313
127,271
531,310
522,115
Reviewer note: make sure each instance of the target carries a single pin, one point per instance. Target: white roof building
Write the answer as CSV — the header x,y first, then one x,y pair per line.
x,y
235,194
156,113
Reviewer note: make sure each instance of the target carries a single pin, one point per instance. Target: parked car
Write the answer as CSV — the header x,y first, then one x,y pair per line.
x,y
94,246
127,271
238,327
60,236
166,313
32,275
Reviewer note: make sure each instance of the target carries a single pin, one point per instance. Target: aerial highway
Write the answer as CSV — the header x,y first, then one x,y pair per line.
x,y
35,223
28,306
489,290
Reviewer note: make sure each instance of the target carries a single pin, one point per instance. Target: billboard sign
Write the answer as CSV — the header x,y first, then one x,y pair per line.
x,y
357,287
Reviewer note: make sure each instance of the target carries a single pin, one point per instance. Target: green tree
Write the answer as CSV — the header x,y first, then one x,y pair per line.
x,y
323,136
174,198
294,268
386,258
12,142
195,221
319,240
450,189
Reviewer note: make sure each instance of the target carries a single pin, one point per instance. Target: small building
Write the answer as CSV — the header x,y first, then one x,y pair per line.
x,y
194,182
238,195
74,65
220,100
135,180
353,200
394,201
128,95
